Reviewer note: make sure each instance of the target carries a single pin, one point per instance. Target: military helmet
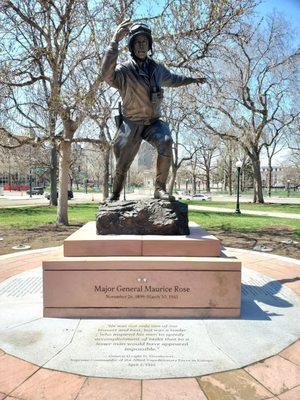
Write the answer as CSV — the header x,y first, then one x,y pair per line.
x,y
139,29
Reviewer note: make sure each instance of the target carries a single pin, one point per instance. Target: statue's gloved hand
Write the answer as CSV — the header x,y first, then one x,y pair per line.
x,y
122,30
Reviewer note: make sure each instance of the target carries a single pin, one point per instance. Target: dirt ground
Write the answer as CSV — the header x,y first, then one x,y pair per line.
x,y
272,239
48,236
37,238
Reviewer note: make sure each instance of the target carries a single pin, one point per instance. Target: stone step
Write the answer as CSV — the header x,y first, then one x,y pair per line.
x,y
85,242
221,263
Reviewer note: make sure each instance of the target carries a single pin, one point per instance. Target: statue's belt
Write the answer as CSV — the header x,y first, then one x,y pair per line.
x,y
144,121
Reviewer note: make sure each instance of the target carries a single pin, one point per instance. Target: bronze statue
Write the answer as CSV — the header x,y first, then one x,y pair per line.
x,y
140,82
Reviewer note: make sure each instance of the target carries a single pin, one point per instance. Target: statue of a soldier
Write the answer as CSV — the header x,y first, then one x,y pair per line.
x,y
140,81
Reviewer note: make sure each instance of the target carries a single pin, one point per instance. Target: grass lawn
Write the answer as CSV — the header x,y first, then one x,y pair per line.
x,y
213,220
275,193
288,208
28,217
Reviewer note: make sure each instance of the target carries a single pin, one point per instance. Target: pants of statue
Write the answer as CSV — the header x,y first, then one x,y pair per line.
x,y
127,144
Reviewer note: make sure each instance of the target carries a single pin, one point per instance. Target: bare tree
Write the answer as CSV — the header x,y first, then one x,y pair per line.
x,y
176,112
22,163
190,31
206,152
58,55
251,92
292,134
273,149
102,115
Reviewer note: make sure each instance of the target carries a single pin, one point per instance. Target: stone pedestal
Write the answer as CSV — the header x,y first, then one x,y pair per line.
x,y
142,276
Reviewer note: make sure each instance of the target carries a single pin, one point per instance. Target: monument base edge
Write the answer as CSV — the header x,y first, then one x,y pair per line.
x,y
140,312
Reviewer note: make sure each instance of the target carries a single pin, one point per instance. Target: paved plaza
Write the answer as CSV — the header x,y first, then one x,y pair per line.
x,y
254,357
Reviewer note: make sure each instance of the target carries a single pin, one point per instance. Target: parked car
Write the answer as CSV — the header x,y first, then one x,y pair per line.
x,y
36,190
182,194
70,195
199,196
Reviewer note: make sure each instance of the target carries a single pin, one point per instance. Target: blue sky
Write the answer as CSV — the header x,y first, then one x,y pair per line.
x,y
290,9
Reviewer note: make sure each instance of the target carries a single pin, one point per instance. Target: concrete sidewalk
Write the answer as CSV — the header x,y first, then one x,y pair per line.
x,y
277,377
246,212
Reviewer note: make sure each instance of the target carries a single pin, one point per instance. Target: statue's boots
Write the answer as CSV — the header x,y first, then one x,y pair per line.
x,y
162,171
118,183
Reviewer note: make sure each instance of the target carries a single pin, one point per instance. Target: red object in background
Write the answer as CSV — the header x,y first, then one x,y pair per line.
x,y
18,188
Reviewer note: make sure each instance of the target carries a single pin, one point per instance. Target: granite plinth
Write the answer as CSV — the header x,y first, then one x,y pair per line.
x,y
142,276
140,312
206,287
85,242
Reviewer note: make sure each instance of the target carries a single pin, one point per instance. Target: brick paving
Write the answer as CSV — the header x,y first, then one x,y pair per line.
x,y
277,377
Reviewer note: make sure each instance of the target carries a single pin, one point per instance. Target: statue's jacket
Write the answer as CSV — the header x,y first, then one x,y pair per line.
x,y
135,86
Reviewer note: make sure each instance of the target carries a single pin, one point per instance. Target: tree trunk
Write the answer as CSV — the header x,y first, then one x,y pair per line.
x,y
53,175
258,190
225,184
270,178
64,164
230,176
254,190
9,173
106,153
194,184
207,180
